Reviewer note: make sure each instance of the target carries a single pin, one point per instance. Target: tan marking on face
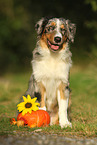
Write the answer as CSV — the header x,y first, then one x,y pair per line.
x,y
43,42
62,26
50,37
53,23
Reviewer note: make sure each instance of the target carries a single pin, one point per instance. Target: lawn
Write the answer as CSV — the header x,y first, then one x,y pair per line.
x,y
83,82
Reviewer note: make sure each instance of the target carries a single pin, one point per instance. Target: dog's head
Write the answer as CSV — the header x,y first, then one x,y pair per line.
x,y
55,32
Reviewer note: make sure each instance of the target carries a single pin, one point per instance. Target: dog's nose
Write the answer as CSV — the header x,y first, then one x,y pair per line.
x,y
57,39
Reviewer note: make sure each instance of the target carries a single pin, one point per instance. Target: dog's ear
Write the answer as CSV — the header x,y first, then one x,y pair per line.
x,y
71,30
39,26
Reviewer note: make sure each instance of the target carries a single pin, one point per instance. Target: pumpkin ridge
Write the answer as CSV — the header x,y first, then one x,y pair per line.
x,y
37,118
46,118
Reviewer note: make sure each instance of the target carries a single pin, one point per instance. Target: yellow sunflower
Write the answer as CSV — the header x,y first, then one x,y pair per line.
x,y
28,105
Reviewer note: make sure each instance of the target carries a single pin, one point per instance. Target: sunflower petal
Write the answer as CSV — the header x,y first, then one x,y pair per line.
x,y
33,100
25,99
24,108
23,112
35,108
20,108
30,111
38,104
29,98
21,104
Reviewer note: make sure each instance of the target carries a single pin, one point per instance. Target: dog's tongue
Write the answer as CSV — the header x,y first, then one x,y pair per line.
x,y
54,47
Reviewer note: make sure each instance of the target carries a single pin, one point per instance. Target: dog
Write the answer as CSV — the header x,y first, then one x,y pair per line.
x,y
51,65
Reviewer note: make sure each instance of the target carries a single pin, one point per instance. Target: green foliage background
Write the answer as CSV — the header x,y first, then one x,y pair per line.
x,y
18,37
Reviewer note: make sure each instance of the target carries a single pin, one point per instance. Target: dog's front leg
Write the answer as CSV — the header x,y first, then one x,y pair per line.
x,y
43,97
63,97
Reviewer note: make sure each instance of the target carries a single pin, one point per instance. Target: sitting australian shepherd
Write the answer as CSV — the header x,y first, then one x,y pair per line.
x,y
51,65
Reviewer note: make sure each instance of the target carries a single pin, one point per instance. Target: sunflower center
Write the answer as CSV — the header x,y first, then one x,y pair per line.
x,y
28,105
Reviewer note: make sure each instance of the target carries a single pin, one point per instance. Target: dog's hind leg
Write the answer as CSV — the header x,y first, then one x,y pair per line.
x,y
54,119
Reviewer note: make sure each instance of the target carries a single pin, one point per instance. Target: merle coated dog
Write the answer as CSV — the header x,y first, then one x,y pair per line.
x,y
51,65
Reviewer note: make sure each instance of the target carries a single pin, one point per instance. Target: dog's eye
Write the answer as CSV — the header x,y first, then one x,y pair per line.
x,y
51,28
63,31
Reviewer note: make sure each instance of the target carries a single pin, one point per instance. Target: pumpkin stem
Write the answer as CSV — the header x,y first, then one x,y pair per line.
x,y
13,121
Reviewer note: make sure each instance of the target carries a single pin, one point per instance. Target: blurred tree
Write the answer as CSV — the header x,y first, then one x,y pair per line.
x,y
14,33
92,25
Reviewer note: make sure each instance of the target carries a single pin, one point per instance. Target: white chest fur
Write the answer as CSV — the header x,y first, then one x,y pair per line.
x,y
51,69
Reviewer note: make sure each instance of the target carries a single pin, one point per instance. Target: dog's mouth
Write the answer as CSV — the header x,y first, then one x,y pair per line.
x,y
54,47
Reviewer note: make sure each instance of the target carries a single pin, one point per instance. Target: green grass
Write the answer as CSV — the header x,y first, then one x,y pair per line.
x,y
83,83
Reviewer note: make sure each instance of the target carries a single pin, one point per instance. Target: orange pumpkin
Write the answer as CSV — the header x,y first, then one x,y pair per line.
x,y
35,119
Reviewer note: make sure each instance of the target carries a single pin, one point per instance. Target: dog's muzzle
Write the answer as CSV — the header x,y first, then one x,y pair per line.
x,y
54,47
57,43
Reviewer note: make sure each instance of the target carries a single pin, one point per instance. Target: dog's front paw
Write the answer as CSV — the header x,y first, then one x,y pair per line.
x,y
42,108
66,124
